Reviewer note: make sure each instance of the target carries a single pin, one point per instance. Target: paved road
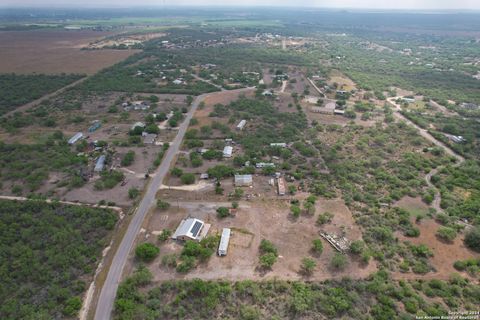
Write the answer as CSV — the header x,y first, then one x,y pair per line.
x,y
109,290
47,96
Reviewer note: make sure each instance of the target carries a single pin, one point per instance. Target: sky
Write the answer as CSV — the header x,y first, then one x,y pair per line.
x,y
358,4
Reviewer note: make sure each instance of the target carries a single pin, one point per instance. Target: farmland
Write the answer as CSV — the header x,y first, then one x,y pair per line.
x,y
54,52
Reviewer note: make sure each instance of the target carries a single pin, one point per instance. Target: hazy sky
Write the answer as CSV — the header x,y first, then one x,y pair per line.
x,y
376,4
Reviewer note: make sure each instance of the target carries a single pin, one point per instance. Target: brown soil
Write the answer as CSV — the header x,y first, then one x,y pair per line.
x,y
444,254
254,221
55,51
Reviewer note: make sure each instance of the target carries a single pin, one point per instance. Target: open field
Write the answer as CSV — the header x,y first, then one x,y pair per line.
x,y
54,52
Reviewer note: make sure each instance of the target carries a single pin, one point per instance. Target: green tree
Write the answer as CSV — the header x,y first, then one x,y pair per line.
x,y
223,212
472,239
187,178
146,252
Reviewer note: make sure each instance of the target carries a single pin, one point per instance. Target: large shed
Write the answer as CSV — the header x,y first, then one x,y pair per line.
x,y
242,124
189,229
243,180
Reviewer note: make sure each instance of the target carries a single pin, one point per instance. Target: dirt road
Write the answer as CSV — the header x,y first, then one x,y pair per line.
x,y
424,133
109,290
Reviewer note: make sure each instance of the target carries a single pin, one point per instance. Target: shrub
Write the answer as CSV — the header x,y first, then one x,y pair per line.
x,y
446,233
165,235
339,261
133,193
128,159
357,247
177,172
324,218
295,210
223,212
146,252
187,263
268,247
162,205
317,246
308,265
472,239
267,260
187,178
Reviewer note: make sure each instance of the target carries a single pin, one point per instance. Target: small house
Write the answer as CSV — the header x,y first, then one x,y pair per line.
x,y
75,138
224,241
227,151
243,180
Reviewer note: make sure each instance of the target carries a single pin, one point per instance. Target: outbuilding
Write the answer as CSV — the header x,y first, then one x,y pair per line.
x,y
75,138
190,229
100,164
227,151
241,125
243,180
224,241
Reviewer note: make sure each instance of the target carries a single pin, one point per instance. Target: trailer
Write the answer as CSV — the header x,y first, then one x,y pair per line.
x,y
224,240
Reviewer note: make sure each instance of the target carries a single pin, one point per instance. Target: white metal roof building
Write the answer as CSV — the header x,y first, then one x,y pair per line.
x,y
241,125
75,138
189,229
243,180
224,240
278,144
227,151
100,163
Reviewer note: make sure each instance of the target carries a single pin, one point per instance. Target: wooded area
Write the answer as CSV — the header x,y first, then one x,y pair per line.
x,y
49,254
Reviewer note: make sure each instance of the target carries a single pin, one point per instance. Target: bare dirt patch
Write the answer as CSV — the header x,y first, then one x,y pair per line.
x,y
54,52
444,254
254,221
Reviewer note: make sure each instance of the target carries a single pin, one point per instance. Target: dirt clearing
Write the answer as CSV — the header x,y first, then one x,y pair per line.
x,y
254,221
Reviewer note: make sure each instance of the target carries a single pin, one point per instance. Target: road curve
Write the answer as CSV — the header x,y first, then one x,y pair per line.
x,y
109,289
